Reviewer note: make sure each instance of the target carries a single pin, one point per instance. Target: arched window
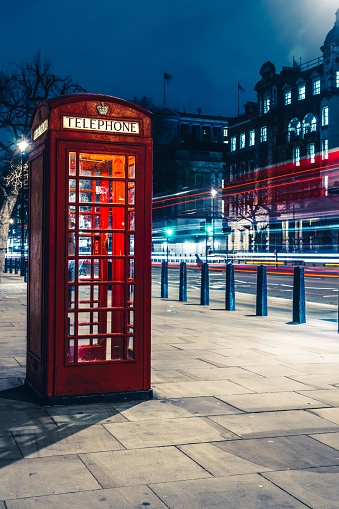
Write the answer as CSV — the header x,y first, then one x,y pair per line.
x,y
294,129
309,124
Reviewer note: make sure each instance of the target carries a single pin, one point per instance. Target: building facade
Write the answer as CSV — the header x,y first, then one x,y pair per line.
x,y
189,164
283,164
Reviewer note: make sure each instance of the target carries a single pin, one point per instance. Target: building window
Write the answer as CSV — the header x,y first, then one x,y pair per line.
x,y
294,129
233,143
233,171
316,86
267,104
296,156
242,140
301,92
263,133
337,79
325,149
309,124
251,138
324,116
311,152
288,97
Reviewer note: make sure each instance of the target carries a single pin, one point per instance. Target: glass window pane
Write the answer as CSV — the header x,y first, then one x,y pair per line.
x,y
72,163
117,348
117,322
118,244
131,219
130,347
131,167
117,218
131,193
91,350
130,295
70,351
72,190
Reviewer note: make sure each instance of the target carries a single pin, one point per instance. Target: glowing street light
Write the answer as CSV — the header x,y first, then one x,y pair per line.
x,y
23,144
169,233
214,192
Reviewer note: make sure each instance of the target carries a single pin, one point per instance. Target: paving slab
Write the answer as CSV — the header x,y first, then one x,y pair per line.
x,y
219,462
150,410
330,414
317,488
241,491
71,440
272,384
198,388
275,424
331,439
204,406
283,453
84,415
162,432
140,497
142,466
8,447
269,401
231,373
36,477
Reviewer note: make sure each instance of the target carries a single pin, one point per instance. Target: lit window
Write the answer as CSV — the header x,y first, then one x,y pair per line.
x,y
296,156
252,138
309,124
324,116
294,129
301,92
316,86
242,140
325,149
337,79
267,104
311,152
233,143
225,132
263,133
288,97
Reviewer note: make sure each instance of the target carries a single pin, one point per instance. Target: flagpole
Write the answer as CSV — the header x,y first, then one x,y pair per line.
x,y
238,99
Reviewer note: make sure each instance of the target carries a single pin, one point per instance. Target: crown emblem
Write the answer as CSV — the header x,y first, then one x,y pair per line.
x,y
102,109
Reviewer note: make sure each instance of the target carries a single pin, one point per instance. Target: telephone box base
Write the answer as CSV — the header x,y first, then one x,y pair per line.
x,y
89,398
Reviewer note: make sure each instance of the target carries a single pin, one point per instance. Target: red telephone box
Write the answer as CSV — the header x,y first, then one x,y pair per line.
x,y
89,249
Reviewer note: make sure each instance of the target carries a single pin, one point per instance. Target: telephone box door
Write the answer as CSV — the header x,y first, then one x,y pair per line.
x,y
102,265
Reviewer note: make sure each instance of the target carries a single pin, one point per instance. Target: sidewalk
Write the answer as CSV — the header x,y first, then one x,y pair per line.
x,y
245,415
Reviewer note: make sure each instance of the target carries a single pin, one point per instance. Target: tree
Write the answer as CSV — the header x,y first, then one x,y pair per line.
x,y
22,87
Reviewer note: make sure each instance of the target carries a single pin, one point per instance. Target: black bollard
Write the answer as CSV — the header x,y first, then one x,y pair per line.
x,y
16,265
261,301
5,266
183,283
11,265
164,280
299,305
230,288
205,288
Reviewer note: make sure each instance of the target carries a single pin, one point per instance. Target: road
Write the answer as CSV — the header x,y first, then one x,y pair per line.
x,y
322,287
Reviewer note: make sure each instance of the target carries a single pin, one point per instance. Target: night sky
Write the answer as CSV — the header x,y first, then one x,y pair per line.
x,y
123,47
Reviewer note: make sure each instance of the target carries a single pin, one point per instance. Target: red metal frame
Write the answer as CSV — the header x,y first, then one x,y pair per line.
x,y
90,300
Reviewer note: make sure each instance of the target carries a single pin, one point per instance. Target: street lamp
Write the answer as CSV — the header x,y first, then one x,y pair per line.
x,y
168,232
22,147
213,194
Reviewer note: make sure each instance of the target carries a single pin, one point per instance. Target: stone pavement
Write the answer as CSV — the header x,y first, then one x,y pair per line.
x,y
245,415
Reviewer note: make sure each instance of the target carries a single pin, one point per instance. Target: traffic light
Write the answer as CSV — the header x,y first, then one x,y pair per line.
x,y
202,226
